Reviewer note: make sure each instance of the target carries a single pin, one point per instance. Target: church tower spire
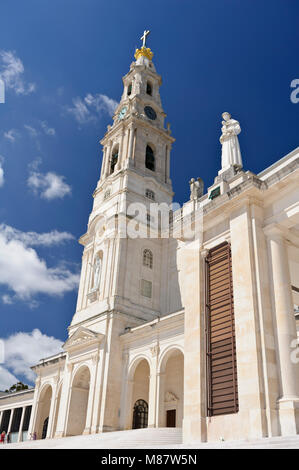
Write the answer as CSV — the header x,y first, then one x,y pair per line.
x,y
135,169
137,139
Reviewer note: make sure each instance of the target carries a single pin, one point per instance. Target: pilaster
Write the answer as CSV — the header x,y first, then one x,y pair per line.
x,y
285,327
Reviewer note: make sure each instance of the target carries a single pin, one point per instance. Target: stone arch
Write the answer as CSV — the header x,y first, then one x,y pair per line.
x,y
166,353
150,157
147,258
134,363
149,87
114,157
97,223
78,401
171,387
139,376
43,411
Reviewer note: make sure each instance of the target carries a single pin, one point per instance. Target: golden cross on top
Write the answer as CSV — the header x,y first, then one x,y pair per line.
x,y
145,34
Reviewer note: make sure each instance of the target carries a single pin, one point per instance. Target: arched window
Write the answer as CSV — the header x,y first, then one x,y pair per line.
x,y
113,161
149,88
150,194
129,89
140,414
149,158
148,258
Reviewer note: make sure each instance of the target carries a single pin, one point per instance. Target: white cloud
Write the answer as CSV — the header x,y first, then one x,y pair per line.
x,y
33,238
23,350
11,71
92,107
11,135
25,273
6,379
48,185
31,130
1,172
7,299
101,103
80,111
47,130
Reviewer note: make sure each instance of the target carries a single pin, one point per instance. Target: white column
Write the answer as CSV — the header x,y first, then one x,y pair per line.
x,y
284,312
64,402
160,412
34,409
167,163
98,393
152,399
125,148
52,410
153,387
103,163
284,321
130,150
124,391
10,420
91,395
107,159
120,152
191,263
265,320
1,416
129,404
20,436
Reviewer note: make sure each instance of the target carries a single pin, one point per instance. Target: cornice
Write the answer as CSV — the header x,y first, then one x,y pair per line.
x,y
132,120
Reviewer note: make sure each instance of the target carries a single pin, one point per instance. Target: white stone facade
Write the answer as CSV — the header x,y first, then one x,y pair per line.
x,y
138,333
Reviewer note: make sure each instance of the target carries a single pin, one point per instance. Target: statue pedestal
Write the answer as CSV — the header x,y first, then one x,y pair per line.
x,y
228,173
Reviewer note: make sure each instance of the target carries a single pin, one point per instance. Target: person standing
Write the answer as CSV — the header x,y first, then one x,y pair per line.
x,y
2,437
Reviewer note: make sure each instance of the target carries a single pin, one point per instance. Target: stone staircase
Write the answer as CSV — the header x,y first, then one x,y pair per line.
x,y
151,438
133,439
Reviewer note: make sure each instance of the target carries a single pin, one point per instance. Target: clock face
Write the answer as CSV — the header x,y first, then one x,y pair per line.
x,y
150,112
122,112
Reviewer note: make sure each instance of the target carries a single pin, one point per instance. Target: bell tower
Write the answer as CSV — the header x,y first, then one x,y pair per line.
x,y
137,140
135,170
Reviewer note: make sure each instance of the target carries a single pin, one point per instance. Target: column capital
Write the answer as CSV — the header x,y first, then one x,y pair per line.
x,y
203,253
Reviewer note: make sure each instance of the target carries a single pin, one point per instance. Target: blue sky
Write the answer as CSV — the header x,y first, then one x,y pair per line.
x,y
214,56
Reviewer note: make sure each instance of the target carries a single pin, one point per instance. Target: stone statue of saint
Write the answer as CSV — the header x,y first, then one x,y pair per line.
x,y
196,188
97,272
231,154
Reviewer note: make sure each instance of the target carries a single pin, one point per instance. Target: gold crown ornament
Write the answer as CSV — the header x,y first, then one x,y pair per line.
x,y
143,52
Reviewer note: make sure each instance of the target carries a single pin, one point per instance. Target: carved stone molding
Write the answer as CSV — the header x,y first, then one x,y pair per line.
x,y
82,337
169,396
94,359
93,295
56,379
155,350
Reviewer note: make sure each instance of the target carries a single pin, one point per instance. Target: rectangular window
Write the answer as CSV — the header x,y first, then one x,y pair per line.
x,y
146,288
222,386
